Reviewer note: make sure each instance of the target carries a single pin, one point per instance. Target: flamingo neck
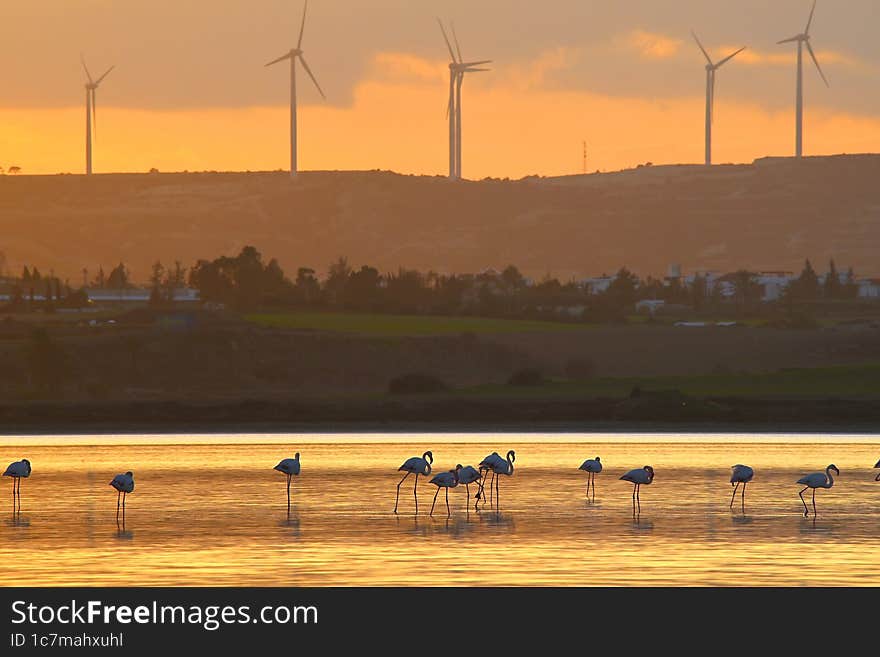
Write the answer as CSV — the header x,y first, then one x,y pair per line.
x,y
830,480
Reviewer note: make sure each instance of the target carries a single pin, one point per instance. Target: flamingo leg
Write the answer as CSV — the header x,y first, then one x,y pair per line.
x,y
588,484
814,503
593,479
491,484
743,497
634,498
435,501
448,512
806,510
639,497
288,493
118,495
497,493
397,499
733,497
124,494
415,492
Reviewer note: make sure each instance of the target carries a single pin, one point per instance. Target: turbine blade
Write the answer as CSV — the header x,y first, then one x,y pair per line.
x,y
98,81
476,70
94,115
791,40
311,75
810,21
455,38
449,106
280,59
446,38
705,54
82,60
302,27
728,58
485,61
816,62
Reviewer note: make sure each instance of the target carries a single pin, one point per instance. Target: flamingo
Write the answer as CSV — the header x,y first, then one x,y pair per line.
x,y
638,477
468,475
502,468
445,480
18,470
592,467
488,465
124,484
289,467
877,465
817,480
740,474
417,466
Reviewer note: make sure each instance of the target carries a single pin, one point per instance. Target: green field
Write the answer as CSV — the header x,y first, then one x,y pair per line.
x,y
403,325
845,382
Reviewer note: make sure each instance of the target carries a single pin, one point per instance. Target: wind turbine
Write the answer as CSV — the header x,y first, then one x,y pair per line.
x,y
293,55
457,69
801,40
91,105
711,68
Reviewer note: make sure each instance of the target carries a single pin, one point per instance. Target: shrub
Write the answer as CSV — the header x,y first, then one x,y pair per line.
x,y
526,377
415,384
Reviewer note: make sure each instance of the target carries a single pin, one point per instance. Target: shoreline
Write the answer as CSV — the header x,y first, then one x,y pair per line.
x,y
448,415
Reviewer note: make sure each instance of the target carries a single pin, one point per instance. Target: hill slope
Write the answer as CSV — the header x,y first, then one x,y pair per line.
x,y
768,215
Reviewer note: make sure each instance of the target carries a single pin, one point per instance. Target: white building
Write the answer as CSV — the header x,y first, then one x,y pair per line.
x,y
598,285
773,284
869,288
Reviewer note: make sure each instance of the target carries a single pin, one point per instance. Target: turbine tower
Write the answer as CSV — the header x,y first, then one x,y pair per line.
x,y
457,69
293,55
91,106
801,40
711,68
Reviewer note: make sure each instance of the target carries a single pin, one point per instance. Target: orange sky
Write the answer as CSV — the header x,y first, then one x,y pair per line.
x,y
514,125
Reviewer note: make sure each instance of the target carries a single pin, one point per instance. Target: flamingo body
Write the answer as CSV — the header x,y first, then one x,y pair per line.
x,y
640,476
417,466
19,469
124,483
445,480
741,474
289,466
592,465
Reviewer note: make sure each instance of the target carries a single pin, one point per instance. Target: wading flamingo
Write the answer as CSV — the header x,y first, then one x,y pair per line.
x,y
445,480
124,484
503,468
417,466
18,470
817,480
290,467
740,474
877,465
638,478
592,467
468,475
486,466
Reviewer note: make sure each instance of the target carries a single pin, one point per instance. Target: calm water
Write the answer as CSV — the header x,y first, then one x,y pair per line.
x,y
209,510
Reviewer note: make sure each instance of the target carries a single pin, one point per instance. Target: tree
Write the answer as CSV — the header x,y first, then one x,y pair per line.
x,y
157,277
748,292
850,286
337,277
100,281
35,274
698,292
832,286
307,287
362,289
118,278
805,287
622,290
25,275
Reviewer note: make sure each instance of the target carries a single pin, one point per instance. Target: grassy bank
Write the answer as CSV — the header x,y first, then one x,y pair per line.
x,y
403,325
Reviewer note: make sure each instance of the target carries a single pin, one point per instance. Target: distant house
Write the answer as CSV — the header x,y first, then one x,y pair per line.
x,y
598,285
136,295
869,288
773,284
649,306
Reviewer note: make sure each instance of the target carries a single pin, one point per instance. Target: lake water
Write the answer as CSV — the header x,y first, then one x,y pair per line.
x,y
209,510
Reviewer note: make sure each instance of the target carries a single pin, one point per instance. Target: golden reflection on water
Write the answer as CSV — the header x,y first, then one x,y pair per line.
x,y
215,514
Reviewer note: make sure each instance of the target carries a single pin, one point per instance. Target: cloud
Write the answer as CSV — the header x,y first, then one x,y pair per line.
x,y
755,57
406,67
651,45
